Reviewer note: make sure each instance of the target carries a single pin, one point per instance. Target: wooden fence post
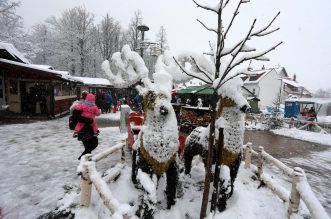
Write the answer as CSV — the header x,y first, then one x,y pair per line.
x,y
124,142
248,155
260,162
295,195
85,198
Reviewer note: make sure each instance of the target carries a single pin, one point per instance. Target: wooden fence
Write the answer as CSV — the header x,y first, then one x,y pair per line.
x,y
90,176
301,189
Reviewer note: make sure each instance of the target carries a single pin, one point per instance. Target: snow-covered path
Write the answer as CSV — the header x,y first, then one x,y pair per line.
x,y
38,160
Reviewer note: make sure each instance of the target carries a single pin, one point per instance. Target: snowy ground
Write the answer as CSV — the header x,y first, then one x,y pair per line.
x,y
38,169
315,137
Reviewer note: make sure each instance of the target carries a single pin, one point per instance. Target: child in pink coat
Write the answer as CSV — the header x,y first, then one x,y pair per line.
x,y
89,110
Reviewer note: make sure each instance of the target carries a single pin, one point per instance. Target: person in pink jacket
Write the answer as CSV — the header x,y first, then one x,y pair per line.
x,y
89,110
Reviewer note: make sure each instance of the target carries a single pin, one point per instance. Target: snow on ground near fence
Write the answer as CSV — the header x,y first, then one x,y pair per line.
x,y
38,165
304,135
38,173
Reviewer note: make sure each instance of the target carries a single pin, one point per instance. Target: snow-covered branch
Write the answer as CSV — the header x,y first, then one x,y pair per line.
x,y
257,56
262,30
259,33
236,12
201,69
206,7
227,69
207,28
189,74
225,4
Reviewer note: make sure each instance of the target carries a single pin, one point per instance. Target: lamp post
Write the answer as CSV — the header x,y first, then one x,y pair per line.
x,y
142,28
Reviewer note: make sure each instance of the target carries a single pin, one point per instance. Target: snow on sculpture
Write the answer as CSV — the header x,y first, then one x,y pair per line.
x,y
155,150
230,117
222,73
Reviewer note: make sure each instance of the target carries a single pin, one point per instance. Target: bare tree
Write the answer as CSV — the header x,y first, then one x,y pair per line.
x,y
323,93
133,32
10,23
41,37
109,32
226,59
161,39
74,30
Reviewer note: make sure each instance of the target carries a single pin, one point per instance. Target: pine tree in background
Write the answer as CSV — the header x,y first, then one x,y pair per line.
x,y
161,39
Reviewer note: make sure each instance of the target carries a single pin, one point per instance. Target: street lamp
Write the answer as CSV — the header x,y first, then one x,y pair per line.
x,y
142,28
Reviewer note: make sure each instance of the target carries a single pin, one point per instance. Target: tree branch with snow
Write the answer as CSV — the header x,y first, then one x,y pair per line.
x,y
207,28
205,7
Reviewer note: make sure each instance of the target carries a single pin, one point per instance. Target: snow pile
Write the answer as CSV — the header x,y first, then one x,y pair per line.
x,y
304,135
252,125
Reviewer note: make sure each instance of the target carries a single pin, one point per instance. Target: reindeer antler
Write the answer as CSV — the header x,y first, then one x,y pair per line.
x,y
126,68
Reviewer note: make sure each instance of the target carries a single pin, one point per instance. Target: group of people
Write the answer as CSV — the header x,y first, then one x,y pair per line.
x,y
178,100
107,102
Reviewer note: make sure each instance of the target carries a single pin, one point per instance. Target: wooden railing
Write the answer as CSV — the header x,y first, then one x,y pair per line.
x,y
301,189
90,176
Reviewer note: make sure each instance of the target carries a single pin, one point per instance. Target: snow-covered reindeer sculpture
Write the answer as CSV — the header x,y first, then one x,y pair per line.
x,y
229,116
155,150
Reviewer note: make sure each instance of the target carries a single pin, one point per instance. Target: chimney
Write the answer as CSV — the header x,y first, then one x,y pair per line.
x,y
294,77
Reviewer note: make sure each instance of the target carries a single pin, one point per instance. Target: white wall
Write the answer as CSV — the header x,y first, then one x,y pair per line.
x,y
269,89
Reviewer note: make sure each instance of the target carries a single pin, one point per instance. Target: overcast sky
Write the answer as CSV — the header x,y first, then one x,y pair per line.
x,y
305,28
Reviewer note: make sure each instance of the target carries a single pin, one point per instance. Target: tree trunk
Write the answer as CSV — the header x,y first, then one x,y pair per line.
x,y
205,197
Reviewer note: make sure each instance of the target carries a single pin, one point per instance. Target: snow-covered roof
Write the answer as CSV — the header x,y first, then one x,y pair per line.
x,y
310,100
254,76
13,52
61,74
42,66
190,83
292,83
94,81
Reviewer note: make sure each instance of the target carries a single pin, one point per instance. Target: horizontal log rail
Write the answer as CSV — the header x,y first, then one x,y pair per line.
x,y
90,176
301,189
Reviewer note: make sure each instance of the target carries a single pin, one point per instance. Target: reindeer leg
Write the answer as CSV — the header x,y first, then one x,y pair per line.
x,y
172,181
234,171
134,167
147,204
190,151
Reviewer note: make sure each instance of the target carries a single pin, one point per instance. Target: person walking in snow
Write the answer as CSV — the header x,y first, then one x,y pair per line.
x,y
108,102
86,128
89,110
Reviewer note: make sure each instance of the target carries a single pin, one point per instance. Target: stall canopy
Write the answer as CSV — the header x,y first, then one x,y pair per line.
x,y
302,106
200,90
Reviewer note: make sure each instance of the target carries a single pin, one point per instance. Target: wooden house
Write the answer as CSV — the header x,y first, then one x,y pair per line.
x,y
28,90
